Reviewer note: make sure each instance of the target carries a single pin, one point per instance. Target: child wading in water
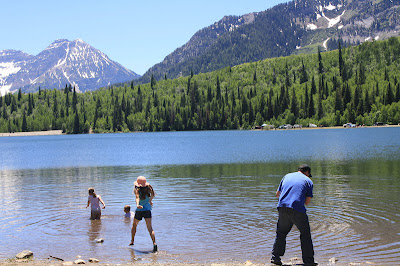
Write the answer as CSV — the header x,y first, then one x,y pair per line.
x,y
127,210
144,194
94,202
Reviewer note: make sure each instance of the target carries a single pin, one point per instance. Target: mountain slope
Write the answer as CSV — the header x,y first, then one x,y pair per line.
x,y
63,62
291,28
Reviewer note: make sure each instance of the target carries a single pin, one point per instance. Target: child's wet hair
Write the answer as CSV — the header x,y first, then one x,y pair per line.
x,y
91,192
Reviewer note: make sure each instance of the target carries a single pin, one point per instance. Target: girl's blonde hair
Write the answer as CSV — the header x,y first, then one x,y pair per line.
x,y
91,192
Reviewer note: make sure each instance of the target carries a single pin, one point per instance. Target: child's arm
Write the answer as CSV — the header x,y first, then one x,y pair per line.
x,y
137,200
151,199
152,195
88,203
102,202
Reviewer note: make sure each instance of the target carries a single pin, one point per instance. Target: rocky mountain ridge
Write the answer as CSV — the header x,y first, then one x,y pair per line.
x,y
299,26
62,62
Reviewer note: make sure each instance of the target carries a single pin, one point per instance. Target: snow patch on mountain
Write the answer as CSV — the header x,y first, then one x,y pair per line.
x,y
321,15
312,26
7,69
330,7
332,22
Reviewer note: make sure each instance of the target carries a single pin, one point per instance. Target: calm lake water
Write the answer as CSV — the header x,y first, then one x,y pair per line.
x,y
215,194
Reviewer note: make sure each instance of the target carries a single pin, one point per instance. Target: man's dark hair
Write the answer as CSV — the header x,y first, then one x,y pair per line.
x,y
304,168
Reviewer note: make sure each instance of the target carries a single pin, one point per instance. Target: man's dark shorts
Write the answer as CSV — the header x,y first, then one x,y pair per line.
x,y
142,214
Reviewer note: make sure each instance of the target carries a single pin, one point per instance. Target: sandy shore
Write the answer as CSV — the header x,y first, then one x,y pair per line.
x,y
33,133
59,132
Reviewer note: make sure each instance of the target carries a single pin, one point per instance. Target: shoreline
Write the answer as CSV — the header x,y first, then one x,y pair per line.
x,y
33,133
59,132
288,262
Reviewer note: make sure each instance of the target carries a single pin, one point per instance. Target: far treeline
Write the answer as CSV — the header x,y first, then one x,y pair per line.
x,y
356,84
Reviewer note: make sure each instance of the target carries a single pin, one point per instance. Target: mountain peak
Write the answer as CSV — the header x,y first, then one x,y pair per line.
x,y
60,41
62,62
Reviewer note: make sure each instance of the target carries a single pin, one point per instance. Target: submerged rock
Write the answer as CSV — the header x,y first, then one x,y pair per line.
x,y
79,261
100,240
24,254
333,260
93,260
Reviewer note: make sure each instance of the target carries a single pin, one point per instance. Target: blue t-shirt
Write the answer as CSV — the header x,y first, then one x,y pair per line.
x,y
145,203
294,189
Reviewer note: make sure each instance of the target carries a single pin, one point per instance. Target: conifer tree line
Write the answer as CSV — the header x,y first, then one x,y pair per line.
x,y
357,84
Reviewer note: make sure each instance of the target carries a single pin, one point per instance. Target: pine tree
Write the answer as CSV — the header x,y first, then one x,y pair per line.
x,y
287,79
76,129
397,97
313,87
320,66
341,62
306,102
347,95
30,105
367,102
386,75
294,109
356,97
152,82
251,113
320,110
13,105
19,94
24,127
74,100
5,115
270,109
311,108
218,89
338,103
55,106
389,97
303,76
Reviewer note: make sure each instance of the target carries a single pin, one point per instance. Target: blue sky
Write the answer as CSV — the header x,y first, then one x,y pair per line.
x,y
136,34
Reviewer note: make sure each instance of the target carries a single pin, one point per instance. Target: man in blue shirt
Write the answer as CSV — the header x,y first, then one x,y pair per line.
x,y
295,191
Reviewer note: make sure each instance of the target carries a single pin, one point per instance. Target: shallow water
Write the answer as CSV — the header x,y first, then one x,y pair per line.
x,y
215,194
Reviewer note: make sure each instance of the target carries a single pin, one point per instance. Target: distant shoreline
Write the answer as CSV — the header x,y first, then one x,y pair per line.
x,y
59,132
33,133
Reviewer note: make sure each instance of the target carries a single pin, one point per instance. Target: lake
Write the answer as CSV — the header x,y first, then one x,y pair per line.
x,y
215,194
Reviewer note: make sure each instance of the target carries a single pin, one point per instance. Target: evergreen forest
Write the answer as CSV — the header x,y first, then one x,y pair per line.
x,y
357,84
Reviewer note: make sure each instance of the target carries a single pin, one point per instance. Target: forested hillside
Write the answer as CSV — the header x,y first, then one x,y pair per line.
x,y
295,27
356,84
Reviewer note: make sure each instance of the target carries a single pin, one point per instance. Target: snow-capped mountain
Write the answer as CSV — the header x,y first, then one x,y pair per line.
x,y
63,62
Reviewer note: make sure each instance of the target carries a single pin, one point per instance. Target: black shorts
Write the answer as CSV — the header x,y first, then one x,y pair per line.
x,y
142,214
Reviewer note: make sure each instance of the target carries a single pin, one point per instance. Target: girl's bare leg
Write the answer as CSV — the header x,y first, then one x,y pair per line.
x,y
151,231
133,231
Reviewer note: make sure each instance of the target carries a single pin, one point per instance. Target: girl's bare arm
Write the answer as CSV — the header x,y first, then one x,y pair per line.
x,y
102,202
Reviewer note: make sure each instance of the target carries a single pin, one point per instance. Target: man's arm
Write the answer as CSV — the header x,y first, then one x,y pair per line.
x,y
278,193
308,200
